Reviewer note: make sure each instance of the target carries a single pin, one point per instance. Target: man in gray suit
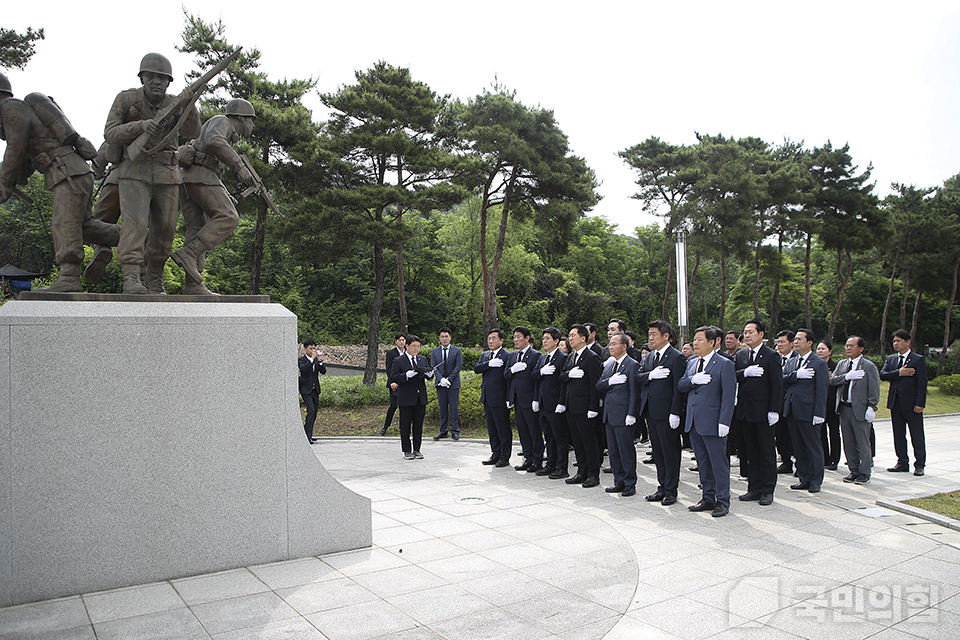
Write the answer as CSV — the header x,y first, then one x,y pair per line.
x,y
621,404
710,383
805,382
447,361
859,383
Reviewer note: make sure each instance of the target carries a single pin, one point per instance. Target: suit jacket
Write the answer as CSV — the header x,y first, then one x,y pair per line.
x,y
709,405
548,390
597,349
454,365
493,387
308,374
909,391
806,399
520,385
582,395
410,391
661,397
756,397
390,356
864,392
619,400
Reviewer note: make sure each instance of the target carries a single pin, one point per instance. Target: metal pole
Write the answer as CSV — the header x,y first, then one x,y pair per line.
x,y
682,319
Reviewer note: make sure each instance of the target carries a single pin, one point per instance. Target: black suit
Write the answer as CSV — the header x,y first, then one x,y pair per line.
x,y
907,392
582,396
493,396
390,357
411,398
659,399
548,391
520,393
756,397
310,389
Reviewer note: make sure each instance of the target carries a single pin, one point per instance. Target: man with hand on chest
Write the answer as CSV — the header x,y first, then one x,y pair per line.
x,y
409,372
518,374
621,403
493,397
906,371
581,373
805,381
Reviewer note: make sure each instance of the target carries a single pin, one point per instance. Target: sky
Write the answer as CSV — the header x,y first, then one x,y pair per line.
x,y
881,76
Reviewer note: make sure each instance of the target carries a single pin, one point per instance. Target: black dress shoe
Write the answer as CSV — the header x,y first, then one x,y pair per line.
x,y
720,510
383,431
441,436
534,468
523,467
558,474
648,461
655,497
703,505
800,486
493,460
695,468
832,466
750,496
546,471
607,470
629,491
668,500
785,467
502,462
862,479
577,479
456,436
592,481
813,488
314,440
617,488
899,468
850,478
766,499
918,471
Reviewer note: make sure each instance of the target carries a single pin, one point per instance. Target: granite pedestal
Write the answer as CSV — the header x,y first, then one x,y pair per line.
x,y
144,441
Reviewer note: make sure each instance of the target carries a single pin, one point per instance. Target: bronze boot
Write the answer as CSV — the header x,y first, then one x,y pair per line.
x,y
67,282
131,279
102,256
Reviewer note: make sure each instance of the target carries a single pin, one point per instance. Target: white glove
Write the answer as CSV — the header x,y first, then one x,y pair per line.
x,y
430,374
591,415
495,362
444,383
722,430
617,378
817,420
630,421
560,409
871,414
805,374
659,373
773,418
753,371
701,378
547,370
411,373
609,360
576,373
509,405
518,367
535,406
856,374
674,421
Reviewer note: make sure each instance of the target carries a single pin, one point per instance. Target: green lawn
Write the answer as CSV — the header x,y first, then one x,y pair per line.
x,y
946,504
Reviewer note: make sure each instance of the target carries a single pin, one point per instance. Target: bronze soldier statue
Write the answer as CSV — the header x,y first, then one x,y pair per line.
x,y
39,136
209,214
149,178
106,208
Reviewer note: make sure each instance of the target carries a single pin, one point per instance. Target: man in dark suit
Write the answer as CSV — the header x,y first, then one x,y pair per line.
x,y
547,393
310,365
859,383
493,397
784,347
581,372
409,372
805,381
661,404
621,405
710,382
906,371
447,361
401,341
518,374
759,398
615,326
596,424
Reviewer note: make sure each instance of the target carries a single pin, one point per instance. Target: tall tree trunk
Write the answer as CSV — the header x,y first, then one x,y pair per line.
x,y
484,264
844,279
498,251
806,282
693,281
775,301
258,237
401,293
905,279
946,321
723,288
916,316
756,280
886,308
373,336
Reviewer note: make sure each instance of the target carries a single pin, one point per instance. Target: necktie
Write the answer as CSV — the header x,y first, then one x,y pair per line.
x,y
783,361
902,358
413,363
574,360
846,394
753,355
656,358
700,366
444,362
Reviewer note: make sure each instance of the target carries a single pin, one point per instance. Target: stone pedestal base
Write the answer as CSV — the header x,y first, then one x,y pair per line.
x,y
143,442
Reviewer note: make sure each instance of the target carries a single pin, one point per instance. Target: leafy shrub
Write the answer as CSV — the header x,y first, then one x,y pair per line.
x,y
949,385
349,392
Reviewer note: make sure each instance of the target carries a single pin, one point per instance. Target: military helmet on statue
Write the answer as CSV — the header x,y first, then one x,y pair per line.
x,y
240,107
157,64
5,85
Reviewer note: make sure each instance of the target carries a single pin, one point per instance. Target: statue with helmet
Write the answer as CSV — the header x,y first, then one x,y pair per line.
x,y
209,213
39,136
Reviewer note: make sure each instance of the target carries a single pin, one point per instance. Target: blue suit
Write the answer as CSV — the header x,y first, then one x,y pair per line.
x,y
803,400
548,390
493,397
708,406
448,398
620,401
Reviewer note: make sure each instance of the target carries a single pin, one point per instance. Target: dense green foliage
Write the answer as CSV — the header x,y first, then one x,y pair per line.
x,y
950,385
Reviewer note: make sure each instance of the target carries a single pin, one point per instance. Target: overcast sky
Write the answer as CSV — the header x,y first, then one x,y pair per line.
x,y
882,76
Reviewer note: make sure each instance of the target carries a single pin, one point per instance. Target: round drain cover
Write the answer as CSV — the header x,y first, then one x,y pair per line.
x,y
472,500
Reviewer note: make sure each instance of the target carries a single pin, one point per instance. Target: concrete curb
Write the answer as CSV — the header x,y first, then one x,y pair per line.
x,y
896,505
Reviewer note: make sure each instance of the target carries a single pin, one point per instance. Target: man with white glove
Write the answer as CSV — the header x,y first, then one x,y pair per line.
x,y
493,397
581,373
621,404
518,374
447,361
660,407
759,396
710,382
547,392
805,381
410,372
859,392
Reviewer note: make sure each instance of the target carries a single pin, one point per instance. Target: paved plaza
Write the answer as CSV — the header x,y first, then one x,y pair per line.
x,y
464,551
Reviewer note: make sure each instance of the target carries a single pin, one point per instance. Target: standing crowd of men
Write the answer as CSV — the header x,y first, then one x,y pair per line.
x,y
728,392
